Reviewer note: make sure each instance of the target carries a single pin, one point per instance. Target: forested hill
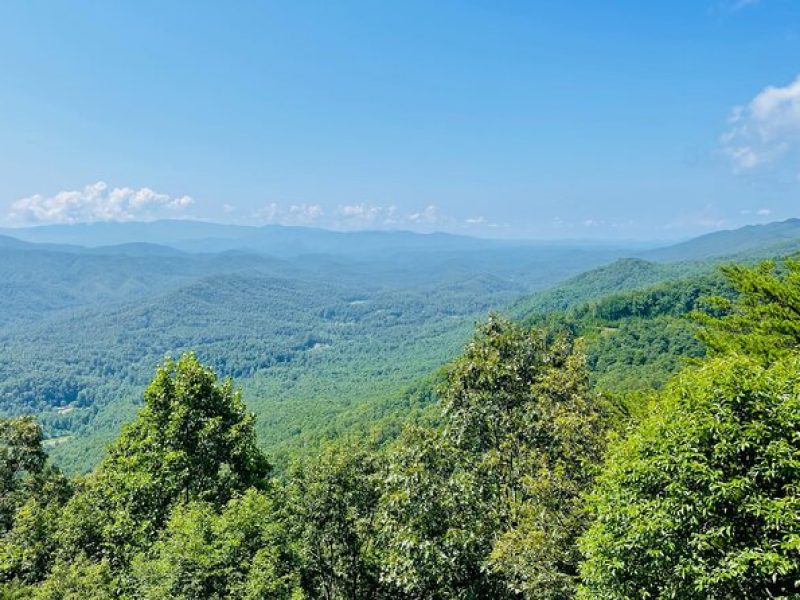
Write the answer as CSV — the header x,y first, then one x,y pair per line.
x,y
694,257
321,343
574,456
636,339
623,274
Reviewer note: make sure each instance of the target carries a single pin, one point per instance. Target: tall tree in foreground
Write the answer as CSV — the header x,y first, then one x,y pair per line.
x,y
32,494
521,437
703,500
434,534
332,500
519,401
22,460
192,441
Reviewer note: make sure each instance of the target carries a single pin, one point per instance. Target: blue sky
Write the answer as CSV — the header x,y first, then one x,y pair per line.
x,y
623,120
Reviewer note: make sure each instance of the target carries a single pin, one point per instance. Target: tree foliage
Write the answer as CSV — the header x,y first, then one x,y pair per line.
x,y
242,552
333,501
764,318
193,440
490,505
505,489
703,500
32,494
433,531
22,459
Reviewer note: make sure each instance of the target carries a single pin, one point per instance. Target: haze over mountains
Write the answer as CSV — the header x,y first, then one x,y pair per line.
x,y
780,237
325,330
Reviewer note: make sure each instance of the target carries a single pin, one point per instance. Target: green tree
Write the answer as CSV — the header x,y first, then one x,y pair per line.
x,y
518,402
32,496
22,459
703,499
489,506
192,441
243,552
433,532
78,578
28,548
333,500
764,318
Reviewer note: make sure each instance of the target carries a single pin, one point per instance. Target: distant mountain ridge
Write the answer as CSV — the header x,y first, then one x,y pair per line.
x,y
779,237
144,238
199,236
277,240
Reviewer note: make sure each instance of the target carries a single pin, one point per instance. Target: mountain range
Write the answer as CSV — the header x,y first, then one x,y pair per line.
x,y
325,331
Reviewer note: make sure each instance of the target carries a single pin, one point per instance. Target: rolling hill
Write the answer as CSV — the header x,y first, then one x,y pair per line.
x,y
315,339
321,342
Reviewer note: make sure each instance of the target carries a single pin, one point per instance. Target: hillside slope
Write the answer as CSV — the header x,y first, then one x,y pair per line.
x,y
771,239
320,342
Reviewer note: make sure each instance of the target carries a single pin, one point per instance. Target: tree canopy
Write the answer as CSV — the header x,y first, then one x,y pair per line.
x,y
703,500
527,476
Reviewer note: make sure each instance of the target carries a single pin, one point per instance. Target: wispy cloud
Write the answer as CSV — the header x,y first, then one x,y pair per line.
x,y
431,215
97,202
294,214
359,215
366,215
765,129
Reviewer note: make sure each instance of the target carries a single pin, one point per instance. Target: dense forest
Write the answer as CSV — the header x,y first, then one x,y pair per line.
x,y
639,445
321,343
327,333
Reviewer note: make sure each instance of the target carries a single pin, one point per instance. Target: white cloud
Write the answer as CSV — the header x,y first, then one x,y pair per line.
x,y
305,214
365,215
360,215
765,129
97,202
764,212
430,216
295,214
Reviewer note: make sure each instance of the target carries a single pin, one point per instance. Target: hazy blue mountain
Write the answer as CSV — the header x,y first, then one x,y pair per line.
x,y
197,236
780,237
141,249
203,237
112,233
